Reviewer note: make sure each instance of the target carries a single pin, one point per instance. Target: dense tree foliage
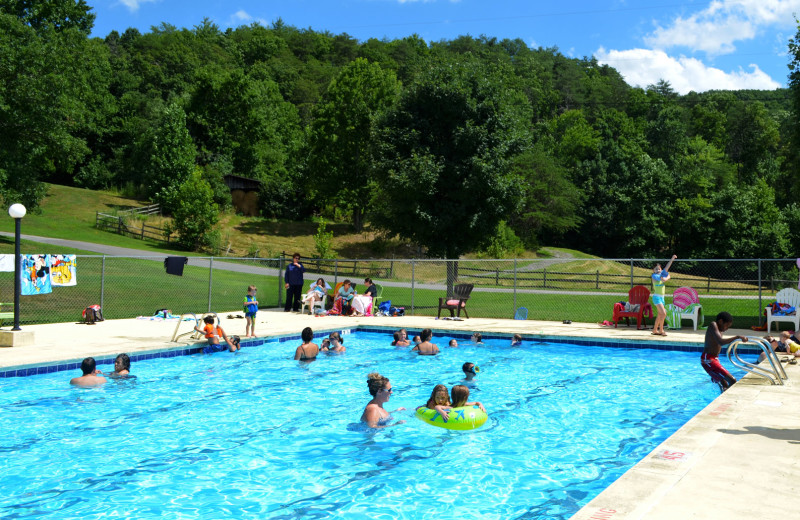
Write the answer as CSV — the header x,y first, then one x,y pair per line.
x,y
454,145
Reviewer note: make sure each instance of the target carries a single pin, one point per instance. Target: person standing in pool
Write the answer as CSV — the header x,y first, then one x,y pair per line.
x,y
122,367
336,343
713,345
91,376
477,338
659,281
381,390
399,340
426,348
309,350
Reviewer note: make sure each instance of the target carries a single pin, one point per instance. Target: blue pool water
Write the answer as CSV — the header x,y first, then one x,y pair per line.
x,y
258,435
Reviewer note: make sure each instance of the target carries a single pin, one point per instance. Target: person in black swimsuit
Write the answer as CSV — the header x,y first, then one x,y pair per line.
x,y
308,350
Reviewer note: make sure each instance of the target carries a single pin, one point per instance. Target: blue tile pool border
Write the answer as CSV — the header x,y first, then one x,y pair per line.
x,y
530,339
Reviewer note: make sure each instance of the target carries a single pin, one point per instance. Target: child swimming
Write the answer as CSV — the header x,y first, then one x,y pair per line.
x,y
438,400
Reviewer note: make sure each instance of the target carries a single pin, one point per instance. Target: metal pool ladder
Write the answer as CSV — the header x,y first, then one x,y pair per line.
x,y
196,335
775,375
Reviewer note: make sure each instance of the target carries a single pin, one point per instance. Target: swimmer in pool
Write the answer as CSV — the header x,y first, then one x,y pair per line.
x,y
453,343
470,371
308,350
122,367
336,343
438,400
380,388
477,338
399,340
425,347
516,340
91,376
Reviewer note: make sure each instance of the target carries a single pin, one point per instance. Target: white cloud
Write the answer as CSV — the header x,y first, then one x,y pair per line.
x,y
242,17
642,67
133,5
715,29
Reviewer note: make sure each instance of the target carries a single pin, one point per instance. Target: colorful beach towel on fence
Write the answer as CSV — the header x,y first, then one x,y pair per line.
x,y
35,275
63,270
674,315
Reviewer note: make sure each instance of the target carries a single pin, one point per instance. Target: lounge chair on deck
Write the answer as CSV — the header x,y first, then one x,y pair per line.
x,y
686,306
456,302
789,297
638,295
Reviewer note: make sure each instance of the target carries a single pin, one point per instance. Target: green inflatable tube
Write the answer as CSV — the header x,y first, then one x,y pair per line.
x,y
461,418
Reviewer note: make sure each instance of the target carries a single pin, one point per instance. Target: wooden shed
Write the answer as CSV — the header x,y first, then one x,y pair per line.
x,y
244,194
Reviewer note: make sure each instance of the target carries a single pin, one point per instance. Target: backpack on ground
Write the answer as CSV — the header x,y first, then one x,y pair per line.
x,y
92,314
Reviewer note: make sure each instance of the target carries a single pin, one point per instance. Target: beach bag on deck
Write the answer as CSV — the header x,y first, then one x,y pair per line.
x,y
92,314
385,306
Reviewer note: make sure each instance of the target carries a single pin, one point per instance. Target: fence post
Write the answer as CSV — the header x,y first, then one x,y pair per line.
x,y
412,287
210,280
760,305
497,276
708,287
119,225
280,281
391,270
102,281
544,278
597,279
631,273
142,230
515,286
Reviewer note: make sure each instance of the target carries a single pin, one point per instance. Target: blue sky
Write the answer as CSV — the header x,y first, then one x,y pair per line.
x,y
695,45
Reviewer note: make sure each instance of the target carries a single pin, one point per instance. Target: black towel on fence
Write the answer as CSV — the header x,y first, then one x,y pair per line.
x,y
174,264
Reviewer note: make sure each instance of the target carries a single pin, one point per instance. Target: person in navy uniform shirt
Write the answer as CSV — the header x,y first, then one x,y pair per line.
x,y
294,284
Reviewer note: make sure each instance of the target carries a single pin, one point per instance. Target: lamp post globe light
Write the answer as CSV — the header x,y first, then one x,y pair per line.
x,y
17,211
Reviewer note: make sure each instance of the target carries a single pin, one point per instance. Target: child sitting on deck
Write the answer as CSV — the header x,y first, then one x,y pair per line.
x,y
213,335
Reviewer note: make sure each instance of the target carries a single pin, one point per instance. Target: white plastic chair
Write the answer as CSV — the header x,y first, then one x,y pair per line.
x,y
314,304
791,297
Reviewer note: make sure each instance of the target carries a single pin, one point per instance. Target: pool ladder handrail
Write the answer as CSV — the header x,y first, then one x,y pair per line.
x,y
176,336
776,375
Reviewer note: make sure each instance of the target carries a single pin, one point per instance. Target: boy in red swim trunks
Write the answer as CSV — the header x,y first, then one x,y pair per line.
x,y
713,346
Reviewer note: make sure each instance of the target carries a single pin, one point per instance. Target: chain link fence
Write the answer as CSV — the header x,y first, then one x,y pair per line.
x,y
554,289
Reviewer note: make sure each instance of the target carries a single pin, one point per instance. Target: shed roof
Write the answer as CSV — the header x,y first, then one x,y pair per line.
x,y
235,182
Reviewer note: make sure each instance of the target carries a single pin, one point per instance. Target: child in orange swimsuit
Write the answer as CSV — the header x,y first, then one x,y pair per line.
x,y
213,335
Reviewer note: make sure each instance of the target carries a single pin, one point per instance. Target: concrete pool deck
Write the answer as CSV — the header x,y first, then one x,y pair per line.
x,y
737,458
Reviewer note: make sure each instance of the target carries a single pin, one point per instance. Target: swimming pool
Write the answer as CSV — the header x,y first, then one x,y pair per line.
x,y
257,435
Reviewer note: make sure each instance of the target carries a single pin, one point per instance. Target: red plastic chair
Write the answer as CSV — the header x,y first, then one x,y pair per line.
x,y
637,295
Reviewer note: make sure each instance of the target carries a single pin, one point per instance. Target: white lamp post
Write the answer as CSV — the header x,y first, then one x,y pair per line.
x,y
17,211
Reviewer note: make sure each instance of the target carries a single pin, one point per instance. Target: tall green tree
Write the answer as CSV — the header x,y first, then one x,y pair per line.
x,y
549,201
51,15
53,97
194,212
444,158
166,155
342,134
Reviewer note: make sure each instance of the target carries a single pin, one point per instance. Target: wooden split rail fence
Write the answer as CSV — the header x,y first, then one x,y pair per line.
x,y
118,224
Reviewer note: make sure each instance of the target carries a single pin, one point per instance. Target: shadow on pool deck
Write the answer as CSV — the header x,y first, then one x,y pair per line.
x,y
736,459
